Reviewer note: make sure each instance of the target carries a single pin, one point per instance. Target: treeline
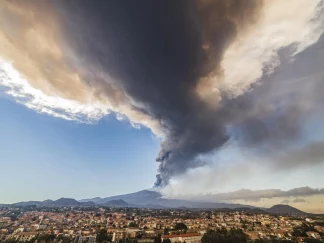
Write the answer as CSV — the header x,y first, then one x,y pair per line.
x,y
44,238
238,236
225,236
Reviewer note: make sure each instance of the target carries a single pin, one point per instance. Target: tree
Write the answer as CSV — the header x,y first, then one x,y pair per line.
x,y
102,236
310,240
166,230
45,238
133,224
157,239
300,231
33,241
181,227
63,239
224,236
11,240
272,241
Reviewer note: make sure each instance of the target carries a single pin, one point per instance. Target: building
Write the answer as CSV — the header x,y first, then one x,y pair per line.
x,y
24,236
132,232
188,238
87,239
117,234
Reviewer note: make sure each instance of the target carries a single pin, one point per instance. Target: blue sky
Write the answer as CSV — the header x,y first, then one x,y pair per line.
x,y
45,157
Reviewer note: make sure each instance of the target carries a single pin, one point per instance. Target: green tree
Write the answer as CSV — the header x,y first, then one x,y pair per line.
x,y
45,238
273,241
63,239
102,236
157,239
310,240
133,224
166,230
300,231
181,227
224,236
11,240
31,241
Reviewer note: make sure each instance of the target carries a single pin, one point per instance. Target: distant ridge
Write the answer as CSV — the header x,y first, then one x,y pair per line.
x,y
25,204
50,203
154,199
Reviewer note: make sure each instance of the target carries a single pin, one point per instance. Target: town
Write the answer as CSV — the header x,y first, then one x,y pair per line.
x,y
144,225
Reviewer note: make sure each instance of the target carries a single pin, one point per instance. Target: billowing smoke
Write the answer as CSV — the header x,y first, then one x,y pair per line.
x,y
159,52
198,73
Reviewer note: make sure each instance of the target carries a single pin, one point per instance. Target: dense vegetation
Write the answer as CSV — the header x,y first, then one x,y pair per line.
x,y
224,236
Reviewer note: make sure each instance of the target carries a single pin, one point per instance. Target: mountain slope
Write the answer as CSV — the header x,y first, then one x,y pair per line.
x,y
148,197
65,202
140,197
116,203
285,209
25,204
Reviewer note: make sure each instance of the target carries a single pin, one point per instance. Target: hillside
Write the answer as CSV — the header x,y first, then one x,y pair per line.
x,y
65,202
140,197
116,203
285,209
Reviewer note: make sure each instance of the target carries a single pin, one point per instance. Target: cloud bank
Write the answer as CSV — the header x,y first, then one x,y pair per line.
x,y
199,74
257,195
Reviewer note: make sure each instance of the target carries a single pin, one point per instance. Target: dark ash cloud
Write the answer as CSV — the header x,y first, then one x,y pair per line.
x,y
312,153
157,52
168,65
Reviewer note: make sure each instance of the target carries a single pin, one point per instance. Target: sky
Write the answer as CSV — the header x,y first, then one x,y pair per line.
x,y
103,98
44,157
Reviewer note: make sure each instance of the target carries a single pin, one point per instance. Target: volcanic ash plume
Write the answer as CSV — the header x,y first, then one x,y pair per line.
x,y
185,69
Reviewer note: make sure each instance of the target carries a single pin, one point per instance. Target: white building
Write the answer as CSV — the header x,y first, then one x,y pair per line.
x,y
88,239
188,238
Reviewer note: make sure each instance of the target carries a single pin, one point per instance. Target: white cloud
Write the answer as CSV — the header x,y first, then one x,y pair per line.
x,y
19,88
281,24
233,169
